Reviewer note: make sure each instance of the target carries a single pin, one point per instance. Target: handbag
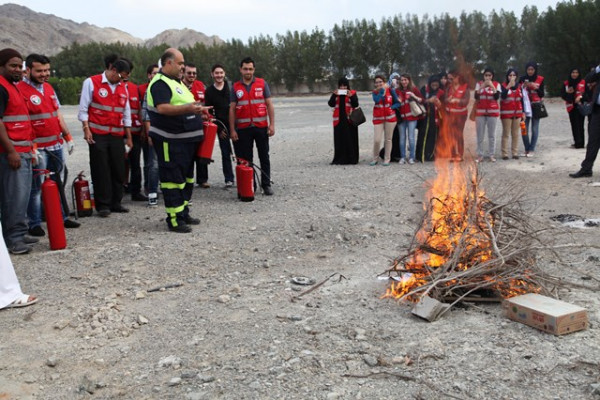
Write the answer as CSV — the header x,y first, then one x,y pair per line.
x,y
538,110
416,109
357,116
585,108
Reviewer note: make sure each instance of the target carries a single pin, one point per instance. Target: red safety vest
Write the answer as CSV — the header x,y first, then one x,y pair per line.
x,y
105,112
43,113
16,120
533,96
135,103
142,90
458,93
348,106
251,108
579,91
512,106
198,90
382,111
487,106
405,104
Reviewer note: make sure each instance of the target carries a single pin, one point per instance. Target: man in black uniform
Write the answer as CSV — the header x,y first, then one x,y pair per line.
x,y
176,130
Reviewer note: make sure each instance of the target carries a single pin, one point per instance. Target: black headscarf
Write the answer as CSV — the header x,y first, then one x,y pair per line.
x,y
574,82
344,81
533,77
430,91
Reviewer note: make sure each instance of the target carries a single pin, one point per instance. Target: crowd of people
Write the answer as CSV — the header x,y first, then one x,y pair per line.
x,y
163,119
441,107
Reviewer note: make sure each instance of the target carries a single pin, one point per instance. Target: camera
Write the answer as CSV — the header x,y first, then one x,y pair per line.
x,y
342,92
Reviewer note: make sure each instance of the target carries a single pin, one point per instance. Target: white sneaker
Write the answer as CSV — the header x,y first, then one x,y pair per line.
x,y
152,199
402,161
411,161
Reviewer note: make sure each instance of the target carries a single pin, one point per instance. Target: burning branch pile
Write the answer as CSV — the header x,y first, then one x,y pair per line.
x,y
468,246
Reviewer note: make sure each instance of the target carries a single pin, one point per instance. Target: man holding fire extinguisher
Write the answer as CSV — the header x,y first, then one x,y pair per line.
x,y
176,128
49,130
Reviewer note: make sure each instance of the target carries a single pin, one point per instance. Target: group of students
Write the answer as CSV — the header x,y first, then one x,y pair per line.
x,y
441,107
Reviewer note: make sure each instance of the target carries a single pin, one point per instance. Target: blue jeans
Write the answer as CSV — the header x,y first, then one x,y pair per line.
x,y
535,130
407,126
15,186
150,169
53,161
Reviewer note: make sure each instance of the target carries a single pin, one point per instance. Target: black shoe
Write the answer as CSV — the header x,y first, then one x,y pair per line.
x,y
581,174
505,157
71,224
191,220
104,212
267,191
139,197
36,231
30,240
515,157
181,228
119,209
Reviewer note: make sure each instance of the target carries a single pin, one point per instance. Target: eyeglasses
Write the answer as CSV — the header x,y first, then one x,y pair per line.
x,y
191,73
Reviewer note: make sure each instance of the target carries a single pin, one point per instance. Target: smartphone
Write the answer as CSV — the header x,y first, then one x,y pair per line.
x,y
342,92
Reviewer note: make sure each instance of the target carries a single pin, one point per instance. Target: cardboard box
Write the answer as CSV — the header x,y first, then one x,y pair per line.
x,y
545,313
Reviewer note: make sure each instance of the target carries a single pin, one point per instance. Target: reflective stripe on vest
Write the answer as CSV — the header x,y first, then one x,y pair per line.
x,y
47,139
21,143
15,118
107,108
184,135
107,129
36,117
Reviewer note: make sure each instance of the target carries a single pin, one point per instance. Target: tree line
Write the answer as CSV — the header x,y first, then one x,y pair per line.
x,y
558,38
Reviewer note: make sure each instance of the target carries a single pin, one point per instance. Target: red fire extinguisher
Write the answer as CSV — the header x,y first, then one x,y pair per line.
x,y
53,212
81,196
205,150
245,180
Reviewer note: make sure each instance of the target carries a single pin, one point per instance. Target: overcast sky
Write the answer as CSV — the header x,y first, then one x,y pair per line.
x,y
241,19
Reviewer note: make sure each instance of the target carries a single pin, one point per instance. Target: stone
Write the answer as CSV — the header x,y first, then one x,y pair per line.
x,y
224,299
370,360
174,381
142,320
52,361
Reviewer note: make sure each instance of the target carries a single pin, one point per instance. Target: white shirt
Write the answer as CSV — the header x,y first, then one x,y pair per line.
x,y
87,92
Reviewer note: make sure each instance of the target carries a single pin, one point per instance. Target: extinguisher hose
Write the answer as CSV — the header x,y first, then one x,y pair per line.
x,y
256,169
59,181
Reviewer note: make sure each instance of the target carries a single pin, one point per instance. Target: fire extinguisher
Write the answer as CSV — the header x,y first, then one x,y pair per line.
x,y
53,212
245,180
205,150
81,196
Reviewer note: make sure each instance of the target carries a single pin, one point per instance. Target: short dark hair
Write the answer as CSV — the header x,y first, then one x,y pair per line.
x,y
151,68
167,55
110,60
190,65
128,61
121,66
38,58
247,60
217,65
379,77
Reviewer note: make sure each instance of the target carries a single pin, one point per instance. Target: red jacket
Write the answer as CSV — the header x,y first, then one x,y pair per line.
x,y
251,107
534,97
487,106
198,90
348,107
512,106
404,97
382,111
16,120
106,109
461,92
579,91
43,113
135,103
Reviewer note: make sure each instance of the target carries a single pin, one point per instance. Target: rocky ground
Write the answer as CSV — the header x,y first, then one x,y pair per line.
x,y
235,328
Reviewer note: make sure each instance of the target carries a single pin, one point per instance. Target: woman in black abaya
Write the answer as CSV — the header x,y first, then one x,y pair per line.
x,y
345,135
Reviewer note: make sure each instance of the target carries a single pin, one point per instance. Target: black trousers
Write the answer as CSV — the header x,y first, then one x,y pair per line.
x,y
577,128
244,148
135,171
176,174
107,165
593,141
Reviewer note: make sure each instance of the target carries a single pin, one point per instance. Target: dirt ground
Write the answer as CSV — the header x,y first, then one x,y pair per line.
x,y
234,330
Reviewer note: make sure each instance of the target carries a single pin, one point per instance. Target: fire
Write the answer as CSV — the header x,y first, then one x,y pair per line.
x,y
456,236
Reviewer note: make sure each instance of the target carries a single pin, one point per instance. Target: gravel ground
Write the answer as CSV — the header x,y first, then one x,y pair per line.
x,y
235,330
